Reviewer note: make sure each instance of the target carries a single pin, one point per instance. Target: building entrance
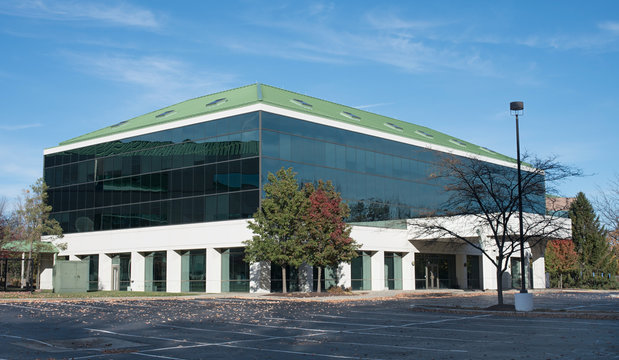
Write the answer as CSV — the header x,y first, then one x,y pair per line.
x,y
432,276
435,271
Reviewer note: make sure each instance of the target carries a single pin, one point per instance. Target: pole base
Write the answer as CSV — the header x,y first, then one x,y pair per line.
x,y
523,301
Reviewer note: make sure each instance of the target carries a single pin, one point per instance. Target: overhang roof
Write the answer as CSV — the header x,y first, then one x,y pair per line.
x,y
38,247
260,93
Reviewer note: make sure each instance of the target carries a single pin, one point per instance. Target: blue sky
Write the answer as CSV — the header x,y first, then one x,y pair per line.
x,y
71,67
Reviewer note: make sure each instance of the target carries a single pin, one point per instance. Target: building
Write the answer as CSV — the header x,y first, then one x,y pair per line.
x,y
160,202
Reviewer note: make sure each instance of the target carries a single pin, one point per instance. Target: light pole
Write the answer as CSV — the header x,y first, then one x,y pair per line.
x,y
517,108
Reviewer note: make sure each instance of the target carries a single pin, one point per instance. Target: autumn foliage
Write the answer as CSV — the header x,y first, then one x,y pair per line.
x,y
561,259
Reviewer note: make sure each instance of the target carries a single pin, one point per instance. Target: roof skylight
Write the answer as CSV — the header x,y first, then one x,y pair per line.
x,y
120,123
301,103
424,134
350,115
487,150
217,102
457,142
394,126
166,113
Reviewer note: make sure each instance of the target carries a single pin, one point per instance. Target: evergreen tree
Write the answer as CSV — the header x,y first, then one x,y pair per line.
x,y
328,240
278,224
595,255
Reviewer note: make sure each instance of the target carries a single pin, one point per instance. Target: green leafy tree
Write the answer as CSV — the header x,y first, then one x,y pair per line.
x,y
278,224
328,240
32,221
589,236
561,258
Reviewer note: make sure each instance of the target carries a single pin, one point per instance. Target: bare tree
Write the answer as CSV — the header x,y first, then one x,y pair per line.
x,y
481,208
608,208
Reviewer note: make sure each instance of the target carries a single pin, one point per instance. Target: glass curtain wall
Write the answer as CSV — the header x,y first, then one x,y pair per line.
x,y
203,172
472,272
292,278
393,271
361,271
93,271
155,271
328,280
193,271
379,179
234,270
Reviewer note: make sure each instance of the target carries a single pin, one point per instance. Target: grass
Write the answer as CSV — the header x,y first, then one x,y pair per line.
x,y
48,294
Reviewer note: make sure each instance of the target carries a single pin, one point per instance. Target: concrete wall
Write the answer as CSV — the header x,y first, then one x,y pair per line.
x,y
215,236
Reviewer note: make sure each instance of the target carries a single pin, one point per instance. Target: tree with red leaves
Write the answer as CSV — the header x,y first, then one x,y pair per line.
x,y
328,240
561,258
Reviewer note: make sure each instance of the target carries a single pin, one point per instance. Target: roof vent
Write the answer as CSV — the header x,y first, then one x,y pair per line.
x,y
120,123
166,113
457,142
394,126
350,115
424,134
217,102
301,103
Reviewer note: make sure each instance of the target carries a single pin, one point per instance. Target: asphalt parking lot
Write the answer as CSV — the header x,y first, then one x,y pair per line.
x,y
265,328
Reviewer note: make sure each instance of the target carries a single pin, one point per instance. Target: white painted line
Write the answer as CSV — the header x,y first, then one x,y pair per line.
x,y
26,307
445,320
280,327
211,330
333,316
140,336
34,340
319,321
393,346
586,306
429,337
79,305
158,356
406,314
294,352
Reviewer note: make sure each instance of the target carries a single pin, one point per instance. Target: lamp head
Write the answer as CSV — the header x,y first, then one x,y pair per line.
x,y
516,107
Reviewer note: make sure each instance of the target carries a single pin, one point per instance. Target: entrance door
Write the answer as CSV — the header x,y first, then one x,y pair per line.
x,y
432,276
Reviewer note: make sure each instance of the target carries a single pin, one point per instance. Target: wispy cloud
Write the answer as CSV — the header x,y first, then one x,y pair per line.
x,y
383,37
611,26
19,127
120,14
161,79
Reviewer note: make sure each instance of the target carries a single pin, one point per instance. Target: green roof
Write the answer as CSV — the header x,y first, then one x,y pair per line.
x,y
22,246
260,93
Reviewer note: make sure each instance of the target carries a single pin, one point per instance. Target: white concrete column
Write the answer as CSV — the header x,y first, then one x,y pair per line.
x,y
539,273
306,278
105,272
213,271
260,277
408,271
47,266
461,275
137,271
173,271
488,276
378,270
344,274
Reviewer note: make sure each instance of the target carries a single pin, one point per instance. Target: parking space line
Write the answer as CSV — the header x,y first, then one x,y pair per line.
x,y
140,336
318,321
297,352
158,356
211,330
33,340
25,307
280,327
586,306
429,337
394,346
